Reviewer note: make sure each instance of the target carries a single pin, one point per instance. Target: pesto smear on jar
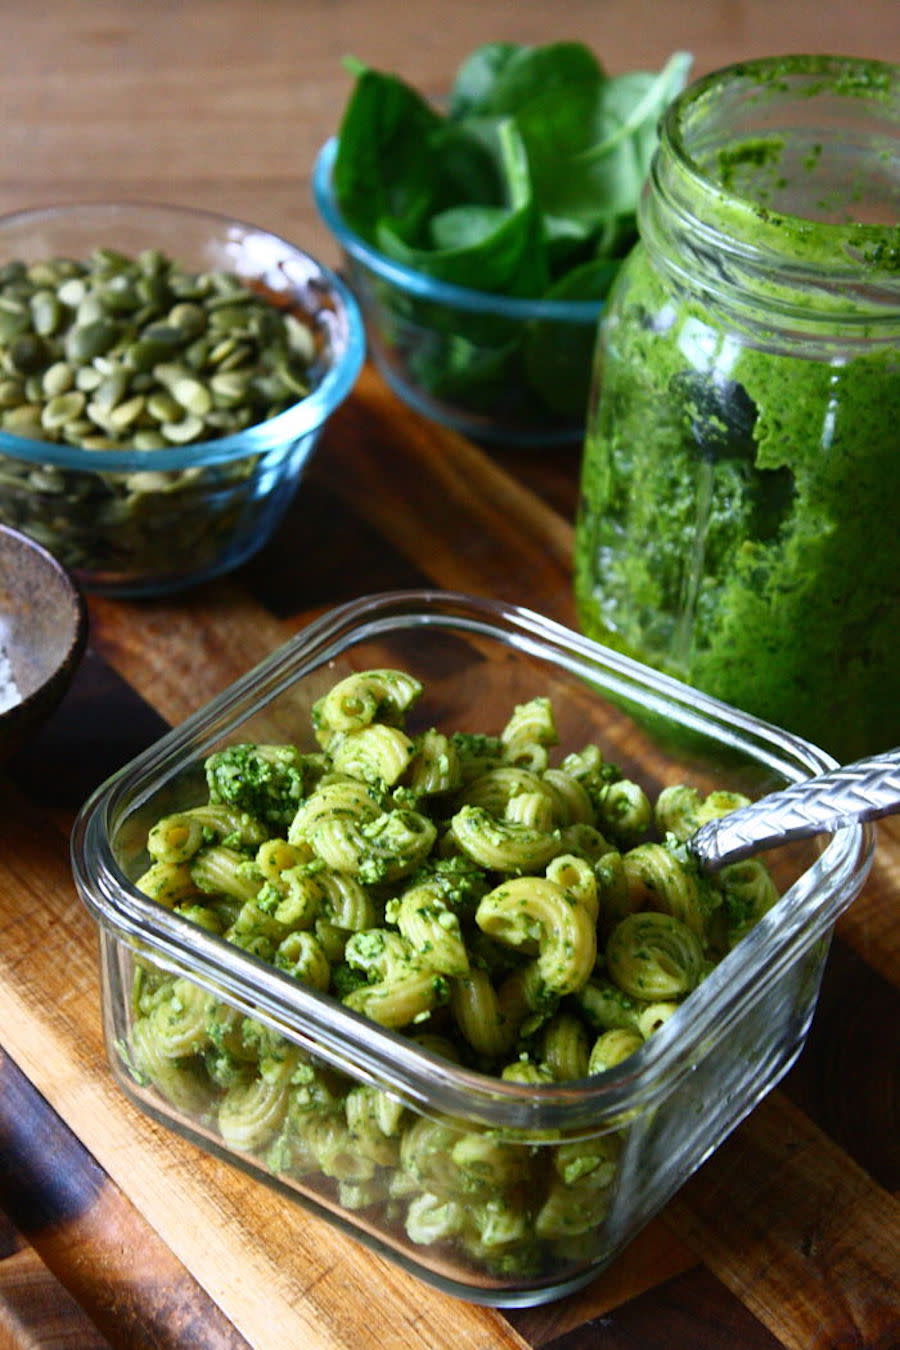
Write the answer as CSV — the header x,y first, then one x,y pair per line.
x,y
741,479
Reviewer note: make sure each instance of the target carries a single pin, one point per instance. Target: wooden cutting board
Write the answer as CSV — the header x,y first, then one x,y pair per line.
x,y
123,1235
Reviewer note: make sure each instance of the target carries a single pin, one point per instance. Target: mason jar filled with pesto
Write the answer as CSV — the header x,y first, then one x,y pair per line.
x,y
739,524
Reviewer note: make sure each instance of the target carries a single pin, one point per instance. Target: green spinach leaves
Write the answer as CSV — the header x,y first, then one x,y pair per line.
x,y
524,183
534,168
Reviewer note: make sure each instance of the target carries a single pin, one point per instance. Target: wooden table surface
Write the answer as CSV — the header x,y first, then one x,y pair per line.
x,y
113,1233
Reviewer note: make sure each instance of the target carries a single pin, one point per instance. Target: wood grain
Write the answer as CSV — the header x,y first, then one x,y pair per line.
x,y
783,1218
691,1309
162,659
130,1238
36,1311
83,1237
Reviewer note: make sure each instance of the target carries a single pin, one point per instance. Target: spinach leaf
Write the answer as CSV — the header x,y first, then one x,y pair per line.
x,y
637,100
486,247
590,152
383,165
476,76
558,357
527,185
530,130
522,75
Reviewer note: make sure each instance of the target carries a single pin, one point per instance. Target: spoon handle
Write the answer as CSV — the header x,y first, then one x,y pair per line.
x,y
854,792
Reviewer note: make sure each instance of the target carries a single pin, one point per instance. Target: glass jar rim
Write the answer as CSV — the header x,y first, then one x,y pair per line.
x,y
852,254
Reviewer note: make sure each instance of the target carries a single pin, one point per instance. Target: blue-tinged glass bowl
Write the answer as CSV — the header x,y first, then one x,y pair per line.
x,y
144,522
498,369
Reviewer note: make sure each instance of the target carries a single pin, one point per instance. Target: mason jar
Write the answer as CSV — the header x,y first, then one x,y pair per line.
x,y
739,522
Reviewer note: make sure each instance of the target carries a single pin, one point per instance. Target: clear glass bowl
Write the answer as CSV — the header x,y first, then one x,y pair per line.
x,y
141,522
655,1117
498,369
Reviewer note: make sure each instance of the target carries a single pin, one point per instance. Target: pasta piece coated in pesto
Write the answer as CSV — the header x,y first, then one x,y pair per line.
x,y
531,921
527,911
363,698
503,845
654,956
432,929
376,754
528,733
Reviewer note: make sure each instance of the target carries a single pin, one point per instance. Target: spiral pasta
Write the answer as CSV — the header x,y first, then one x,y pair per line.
x,y
654,956
532,921
361,699
528,733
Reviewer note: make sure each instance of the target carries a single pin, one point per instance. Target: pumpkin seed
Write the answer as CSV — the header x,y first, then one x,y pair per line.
x,y
62,408
118,352
147,352
124,415
89,340
168,372
57,379
241,354
180,433
149,480
148,440
193,396
28,353
12,393
45,478
111,389
24,420
12,323
72,292
120,295
188,318
162,407
98,443
89,310
87,378
229,386
46,312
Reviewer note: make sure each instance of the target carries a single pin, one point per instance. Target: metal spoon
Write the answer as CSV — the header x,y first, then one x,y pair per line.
x,y
854,792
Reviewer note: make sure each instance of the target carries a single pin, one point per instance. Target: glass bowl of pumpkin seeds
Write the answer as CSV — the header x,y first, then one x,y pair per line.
x,y
165,374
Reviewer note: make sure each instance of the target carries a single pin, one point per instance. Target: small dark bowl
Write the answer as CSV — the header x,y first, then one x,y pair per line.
x,y
44,633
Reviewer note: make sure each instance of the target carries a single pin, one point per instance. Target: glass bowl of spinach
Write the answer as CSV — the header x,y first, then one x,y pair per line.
x,y
481,234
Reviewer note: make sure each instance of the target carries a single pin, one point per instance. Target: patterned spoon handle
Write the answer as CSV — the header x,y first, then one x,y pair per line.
x,y
855,792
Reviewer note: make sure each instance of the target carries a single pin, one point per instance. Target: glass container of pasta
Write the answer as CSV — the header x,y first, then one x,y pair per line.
x,y
405,923
740,478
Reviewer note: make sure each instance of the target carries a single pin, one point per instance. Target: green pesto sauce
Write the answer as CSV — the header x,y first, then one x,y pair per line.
x,y
740,529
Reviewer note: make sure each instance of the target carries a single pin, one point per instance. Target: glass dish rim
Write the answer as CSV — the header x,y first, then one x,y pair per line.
x,y
301,419
431,288
383,1057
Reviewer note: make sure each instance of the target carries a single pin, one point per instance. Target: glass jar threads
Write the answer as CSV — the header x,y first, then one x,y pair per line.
x,y
738,525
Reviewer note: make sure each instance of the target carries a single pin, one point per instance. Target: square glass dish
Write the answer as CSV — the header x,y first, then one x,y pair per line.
x,y
506,1190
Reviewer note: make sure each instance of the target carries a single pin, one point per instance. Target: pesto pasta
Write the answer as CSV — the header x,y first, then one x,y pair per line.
x,y
534,921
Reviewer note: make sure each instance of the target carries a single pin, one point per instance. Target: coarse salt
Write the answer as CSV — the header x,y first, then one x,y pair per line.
x,y
9,690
